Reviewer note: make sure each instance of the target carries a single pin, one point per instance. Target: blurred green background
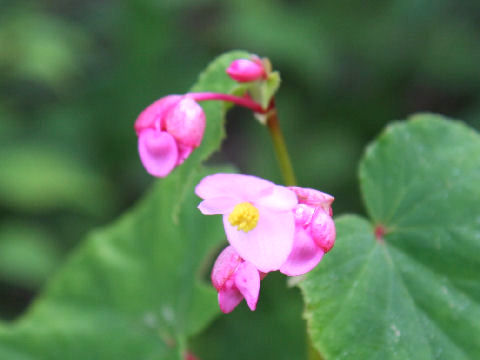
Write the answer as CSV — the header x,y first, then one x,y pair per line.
x,y
75,74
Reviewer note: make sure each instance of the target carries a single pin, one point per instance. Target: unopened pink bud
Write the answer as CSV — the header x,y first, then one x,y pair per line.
x,y
186,122
168,130
323,230
153,117
235,279
313,198
243,70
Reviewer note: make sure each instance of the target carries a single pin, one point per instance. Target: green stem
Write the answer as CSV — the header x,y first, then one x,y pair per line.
x,y
280,148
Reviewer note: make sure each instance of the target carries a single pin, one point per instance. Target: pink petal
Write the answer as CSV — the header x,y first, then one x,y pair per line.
x,y
184,152
186,122
305,254
247,281
243,187
268,245
228,299
243,70
224,267
219,205
153,116
323,230
158,152
277,198
313,197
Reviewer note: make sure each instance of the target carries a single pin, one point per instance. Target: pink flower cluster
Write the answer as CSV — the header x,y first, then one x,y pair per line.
x,y
269,228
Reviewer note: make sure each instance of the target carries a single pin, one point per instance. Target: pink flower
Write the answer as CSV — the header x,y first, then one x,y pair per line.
x,y
314,231
234,280
243,70
257,216
168,130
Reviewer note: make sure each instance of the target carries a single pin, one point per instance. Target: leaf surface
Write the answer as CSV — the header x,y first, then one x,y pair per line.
x,y
404,285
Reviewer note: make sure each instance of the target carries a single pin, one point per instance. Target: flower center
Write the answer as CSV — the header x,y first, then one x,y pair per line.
x,y
244,216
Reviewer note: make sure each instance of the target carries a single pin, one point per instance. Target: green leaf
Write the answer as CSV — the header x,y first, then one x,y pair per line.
x,y
412,293
136,289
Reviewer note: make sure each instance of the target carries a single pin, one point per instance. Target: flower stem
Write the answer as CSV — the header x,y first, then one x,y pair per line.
x,y
242,101
280,147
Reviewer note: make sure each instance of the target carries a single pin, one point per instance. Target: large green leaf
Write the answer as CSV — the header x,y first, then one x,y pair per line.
x,y
412,292
135,289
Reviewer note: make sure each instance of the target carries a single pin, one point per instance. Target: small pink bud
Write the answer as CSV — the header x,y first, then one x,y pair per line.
x,y
313,198
243,70
235,279
186,122
323,230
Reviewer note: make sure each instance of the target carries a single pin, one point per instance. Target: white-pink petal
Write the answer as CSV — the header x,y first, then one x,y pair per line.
x,y
305,254
243,187
219,205
277,198
268,245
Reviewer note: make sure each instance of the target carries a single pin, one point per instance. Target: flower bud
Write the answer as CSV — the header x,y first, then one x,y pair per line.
x,y
168,130
243,70
235,279
186,122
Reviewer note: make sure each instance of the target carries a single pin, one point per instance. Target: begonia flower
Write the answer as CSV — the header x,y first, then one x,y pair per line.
x,y
244,70
257,215
314,231
168,131
235,279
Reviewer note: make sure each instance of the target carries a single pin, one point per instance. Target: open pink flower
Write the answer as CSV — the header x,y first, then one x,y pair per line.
x,y
314,231
235,279
168,130
257,216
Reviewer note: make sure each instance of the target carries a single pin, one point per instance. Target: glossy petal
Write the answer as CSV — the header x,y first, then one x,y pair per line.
x,y
323,230
243,187
305,254
153,117
220,205
158,152
277,198
186,122
228,299
247,281
268,245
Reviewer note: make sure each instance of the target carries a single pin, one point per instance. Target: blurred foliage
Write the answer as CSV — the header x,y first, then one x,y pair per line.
x,y
74,75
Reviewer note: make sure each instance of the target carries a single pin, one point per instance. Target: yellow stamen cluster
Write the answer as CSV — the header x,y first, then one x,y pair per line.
x,y
244,216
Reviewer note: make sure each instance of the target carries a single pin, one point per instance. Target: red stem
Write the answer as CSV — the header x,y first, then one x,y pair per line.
x,y
242,101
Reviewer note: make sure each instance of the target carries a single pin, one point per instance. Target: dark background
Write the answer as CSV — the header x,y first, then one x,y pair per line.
x,y
75,74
